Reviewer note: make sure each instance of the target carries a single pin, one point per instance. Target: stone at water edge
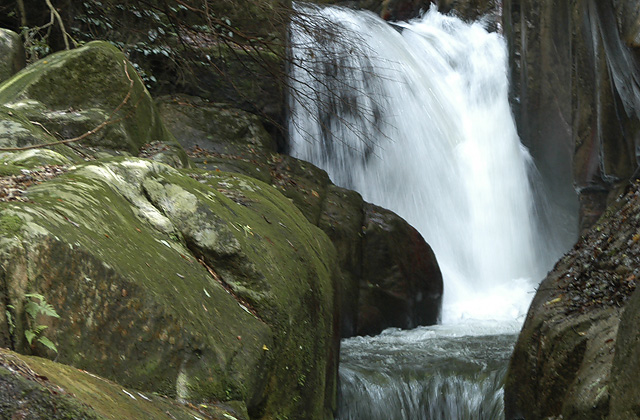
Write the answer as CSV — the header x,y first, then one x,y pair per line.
x,y
563,362
402,282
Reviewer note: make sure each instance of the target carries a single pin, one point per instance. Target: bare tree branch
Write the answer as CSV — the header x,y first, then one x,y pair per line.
x,y
65,35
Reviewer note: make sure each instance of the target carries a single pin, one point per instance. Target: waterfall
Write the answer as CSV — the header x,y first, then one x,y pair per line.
x,y
415,116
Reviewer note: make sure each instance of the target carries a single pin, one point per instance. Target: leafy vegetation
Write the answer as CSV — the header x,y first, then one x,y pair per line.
x,y
36,305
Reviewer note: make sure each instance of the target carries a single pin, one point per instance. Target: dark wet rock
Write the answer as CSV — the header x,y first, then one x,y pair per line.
x,y
401,282
575,94
540,62
563,362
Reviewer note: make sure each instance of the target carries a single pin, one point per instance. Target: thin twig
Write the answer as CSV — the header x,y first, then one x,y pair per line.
x,y
65,34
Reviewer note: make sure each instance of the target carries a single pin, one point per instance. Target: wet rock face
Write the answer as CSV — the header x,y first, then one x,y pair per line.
x,y
401,282
574,355
540,62
628,18
575,93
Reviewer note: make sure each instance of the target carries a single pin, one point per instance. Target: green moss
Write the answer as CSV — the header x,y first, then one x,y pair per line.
x,y
166,289
9,169
68,393
116,243
10,224
77,90
296,296
34,158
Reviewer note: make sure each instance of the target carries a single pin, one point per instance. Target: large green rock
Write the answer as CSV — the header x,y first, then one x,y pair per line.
x,y
574,357
215,289
36,388
73,92
390,277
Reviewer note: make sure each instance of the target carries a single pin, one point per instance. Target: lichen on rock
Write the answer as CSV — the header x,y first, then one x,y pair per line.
x,y
146,300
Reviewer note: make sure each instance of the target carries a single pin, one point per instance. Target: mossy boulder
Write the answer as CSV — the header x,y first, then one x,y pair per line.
x,y
34,158
73,92
390,277
216,127
12,53
36,388
574,358
196,285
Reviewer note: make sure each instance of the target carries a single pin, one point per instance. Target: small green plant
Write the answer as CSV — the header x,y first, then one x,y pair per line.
x,y
36,304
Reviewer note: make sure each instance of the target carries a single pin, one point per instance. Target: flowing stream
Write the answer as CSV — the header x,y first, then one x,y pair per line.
x,y
415,116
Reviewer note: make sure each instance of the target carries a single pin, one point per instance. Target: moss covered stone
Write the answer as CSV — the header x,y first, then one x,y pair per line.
x,y
212,126
389,276
34,158
72,92
211,290
36,388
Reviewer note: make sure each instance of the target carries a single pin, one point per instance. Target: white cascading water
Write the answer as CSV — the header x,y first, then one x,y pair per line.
x,y
416,118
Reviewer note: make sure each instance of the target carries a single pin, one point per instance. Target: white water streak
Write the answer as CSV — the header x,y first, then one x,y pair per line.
x,y
418,121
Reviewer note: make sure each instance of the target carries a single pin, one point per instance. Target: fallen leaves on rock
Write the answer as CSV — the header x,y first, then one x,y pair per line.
x,y
603,267
14,187
151,149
